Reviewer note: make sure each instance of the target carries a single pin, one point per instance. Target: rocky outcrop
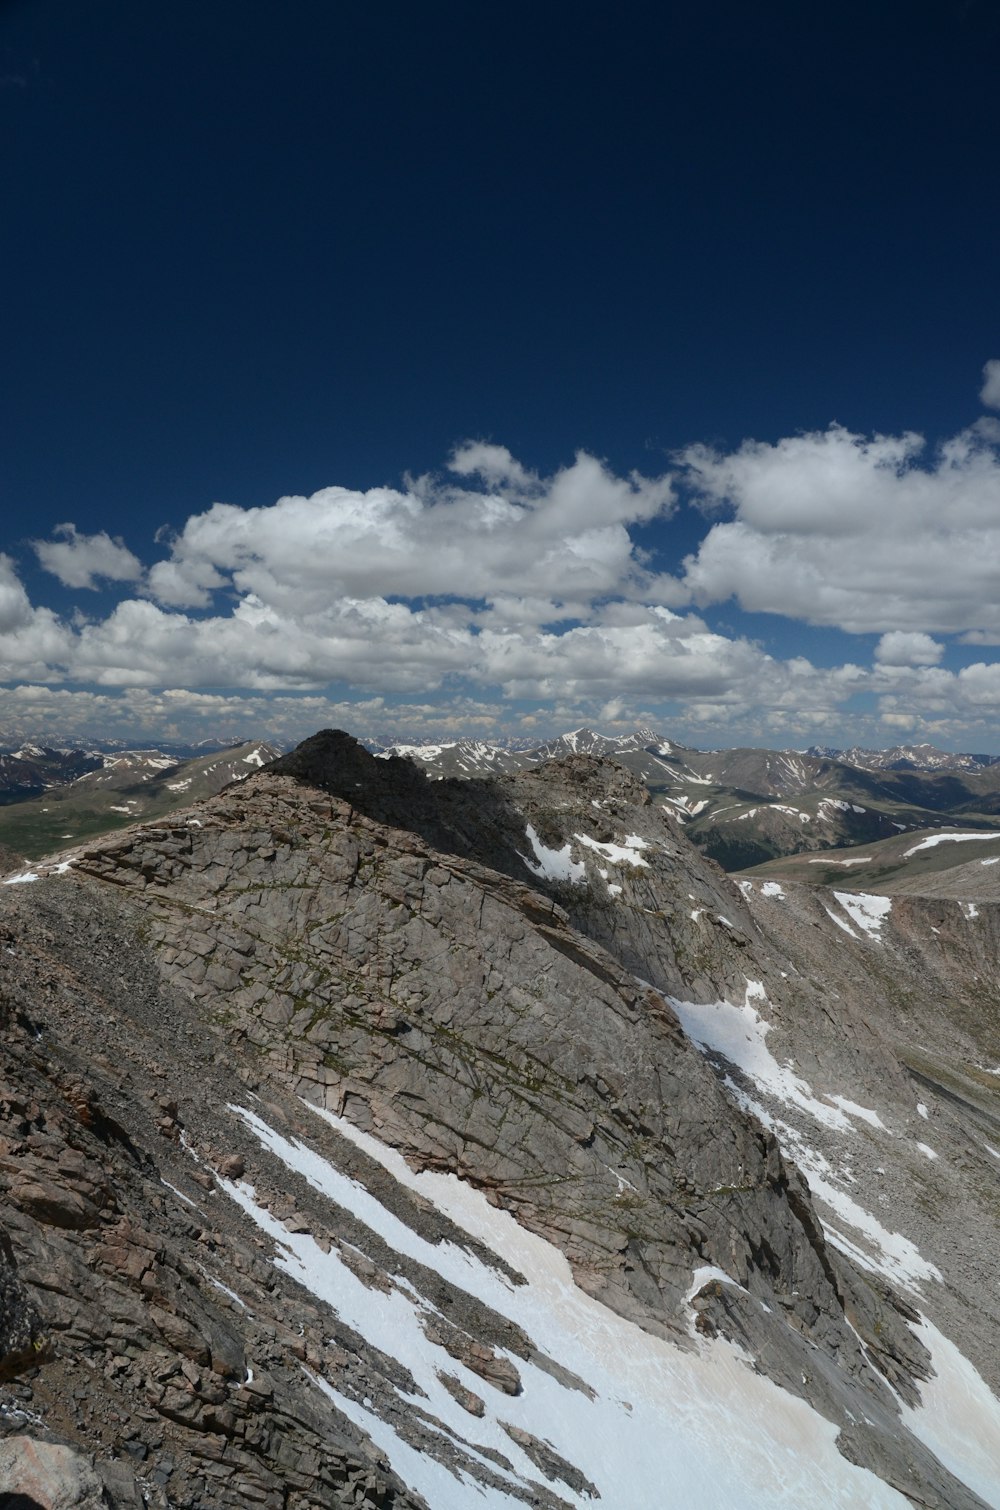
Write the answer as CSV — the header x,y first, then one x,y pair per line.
x,y
456,1011
50,1475
22,1341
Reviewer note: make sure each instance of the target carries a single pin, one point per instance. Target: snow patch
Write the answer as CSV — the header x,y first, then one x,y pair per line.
x,y
739,1033
618,854
898,1259
861,860
865,911
687,806
704,1276
864,1112
553,864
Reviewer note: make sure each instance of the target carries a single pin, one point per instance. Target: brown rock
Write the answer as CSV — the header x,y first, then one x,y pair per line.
x,y
50,1475
466,1398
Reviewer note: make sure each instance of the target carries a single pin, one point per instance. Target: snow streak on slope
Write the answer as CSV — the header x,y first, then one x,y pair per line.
x,y
738,1034
651,1435
935,839
958,1418
846,927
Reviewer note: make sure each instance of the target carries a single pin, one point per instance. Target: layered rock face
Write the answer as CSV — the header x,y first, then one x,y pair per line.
x,y
480,977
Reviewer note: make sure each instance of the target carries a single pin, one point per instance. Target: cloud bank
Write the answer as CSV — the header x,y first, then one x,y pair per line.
x,y
493,595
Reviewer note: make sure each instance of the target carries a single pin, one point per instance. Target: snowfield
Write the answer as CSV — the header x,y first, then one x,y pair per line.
x,y
646,1427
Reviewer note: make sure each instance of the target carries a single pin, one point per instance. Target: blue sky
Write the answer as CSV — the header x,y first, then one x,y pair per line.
x,y
446,369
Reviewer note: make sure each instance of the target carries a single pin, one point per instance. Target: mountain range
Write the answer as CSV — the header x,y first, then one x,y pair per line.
x,y
745,806
742,807
375,1140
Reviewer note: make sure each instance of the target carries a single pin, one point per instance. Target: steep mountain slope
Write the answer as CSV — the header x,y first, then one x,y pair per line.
x,y
457,972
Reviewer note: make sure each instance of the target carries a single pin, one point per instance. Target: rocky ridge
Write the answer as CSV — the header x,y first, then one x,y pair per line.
x,y
481,977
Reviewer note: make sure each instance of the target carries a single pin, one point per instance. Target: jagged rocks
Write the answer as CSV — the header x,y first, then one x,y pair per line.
x,y
482,1360
549,1461
466,1398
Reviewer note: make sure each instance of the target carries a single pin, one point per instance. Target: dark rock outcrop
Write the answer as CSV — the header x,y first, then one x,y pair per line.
x,y
22,1341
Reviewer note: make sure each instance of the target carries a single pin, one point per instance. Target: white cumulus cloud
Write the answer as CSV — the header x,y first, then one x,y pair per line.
x,y
865,534
478,598
562,538
519,586
78,560
15,607
902,647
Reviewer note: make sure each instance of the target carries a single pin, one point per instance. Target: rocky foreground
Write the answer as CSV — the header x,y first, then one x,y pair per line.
x,y
245,1052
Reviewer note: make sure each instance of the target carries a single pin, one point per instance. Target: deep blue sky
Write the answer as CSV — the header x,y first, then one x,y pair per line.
x,y
253,250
